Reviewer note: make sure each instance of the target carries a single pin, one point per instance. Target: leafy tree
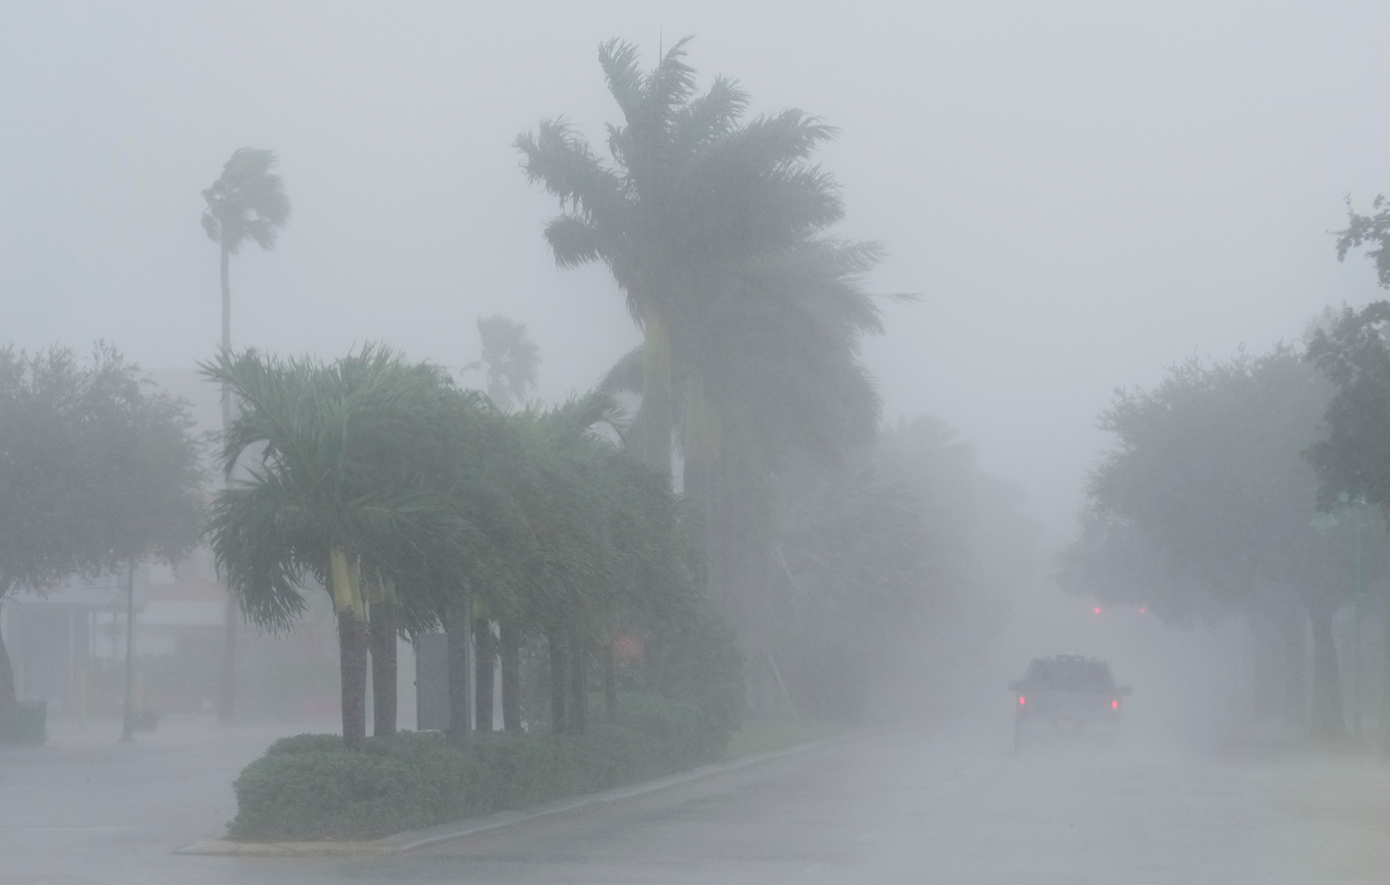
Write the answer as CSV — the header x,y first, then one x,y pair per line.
x,y
894,562
246,202
1355,457
96,472
1208,469
1372,230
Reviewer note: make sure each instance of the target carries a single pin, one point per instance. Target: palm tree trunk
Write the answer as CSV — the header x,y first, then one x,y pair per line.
x,y
352,658
456,631
226,708
509,642
1328,718
555,646
486,650
578,712
9,700
657,414
383,641
610,682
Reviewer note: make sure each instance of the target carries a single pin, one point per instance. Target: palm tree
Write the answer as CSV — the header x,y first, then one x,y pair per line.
x,y
344,488
246,202
510,359
715,230
689,190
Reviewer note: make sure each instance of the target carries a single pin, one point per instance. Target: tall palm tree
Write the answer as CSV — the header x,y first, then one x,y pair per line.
x,y
690,189
246,202
716,230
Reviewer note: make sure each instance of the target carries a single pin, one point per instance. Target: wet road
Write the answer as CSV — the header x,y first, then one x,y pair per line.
x,y
883,807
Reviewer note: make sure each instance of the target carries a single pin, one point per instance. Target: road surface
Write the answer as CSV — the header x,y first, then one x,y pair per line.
x,y
883,807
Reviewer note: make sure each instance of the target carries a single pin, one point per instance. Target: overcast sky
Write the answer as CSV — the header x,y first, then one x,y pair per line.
x,y
1082,193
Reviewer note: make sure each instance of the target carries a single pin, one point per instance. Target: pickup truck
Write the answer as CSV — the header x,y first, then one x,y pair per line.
x,y
1066,690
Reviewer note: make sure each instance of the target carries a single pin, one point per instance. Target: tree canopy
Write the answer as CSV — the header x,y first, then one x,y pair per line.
x,y
96,472
246,202
382,481
1207,505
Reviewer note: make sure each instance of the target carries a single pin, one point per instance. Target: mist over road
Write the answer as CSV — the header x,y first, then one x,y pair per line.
x,y
898,807
884,806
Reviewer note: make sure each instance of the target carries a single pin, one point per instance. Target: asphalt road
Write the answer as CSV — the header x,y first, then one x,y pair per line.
x,y
882,807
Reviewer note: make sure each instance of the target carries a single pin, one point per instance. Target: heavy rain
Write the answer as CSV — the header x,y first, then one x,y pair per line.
x,y
697,442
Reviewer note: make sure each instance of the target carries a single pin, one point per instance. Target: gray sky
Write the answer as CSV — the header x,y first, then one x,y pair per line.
x,y
1082,193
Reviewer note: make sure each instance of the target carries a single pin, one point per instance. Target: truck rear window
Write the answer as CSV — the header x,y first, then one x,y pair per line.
x,y
1070,675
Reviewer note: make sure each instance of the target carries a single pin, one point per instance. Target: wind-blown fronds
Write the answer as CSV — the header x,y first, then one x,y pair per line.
x,y
247,202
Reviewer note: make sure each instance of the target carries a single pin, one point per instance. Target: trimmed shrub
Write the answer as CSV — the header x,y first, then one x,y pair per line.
x,y
309,787
305,743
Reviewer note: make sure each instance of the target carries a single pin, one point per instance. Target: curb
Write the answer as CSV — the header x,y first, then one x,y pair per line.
x,y
410,840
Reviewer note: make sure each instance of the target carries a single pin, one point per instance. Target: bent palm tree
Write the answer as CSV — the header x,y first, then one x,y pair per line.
x,y
715,230
510,359
246,202
689,190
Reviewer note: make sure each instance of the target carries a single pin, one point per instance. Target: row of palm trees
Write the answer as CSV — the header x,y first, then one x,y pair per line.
x,y
417,504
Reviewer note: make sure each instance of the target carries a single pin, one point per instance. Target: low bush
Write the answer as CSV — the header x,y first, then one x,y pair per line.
x,y
310,787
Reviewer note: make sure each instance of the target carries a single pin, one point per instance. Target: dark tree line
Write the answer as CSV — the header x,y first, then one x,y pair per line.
x,y
1248,487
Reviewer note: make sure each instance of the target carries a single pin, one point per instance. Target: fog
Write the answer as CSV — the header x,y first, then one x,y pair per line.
x,y
1082,194
1077,196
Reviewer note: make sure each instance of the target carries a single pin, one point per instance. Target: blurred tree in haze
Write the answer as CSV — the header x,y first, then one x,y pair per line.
x,y
894,568
1207,500
510,359
1354,459
715,230
690,190
1372,230
246,202
96,473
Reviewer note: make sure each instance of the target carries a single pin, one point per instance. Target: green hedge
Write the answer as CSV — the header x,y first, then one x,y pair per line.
x,y
309,787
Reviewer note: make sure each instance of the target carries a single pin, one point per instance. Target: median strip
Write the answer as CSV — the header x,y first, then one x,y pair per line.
x,y
412,840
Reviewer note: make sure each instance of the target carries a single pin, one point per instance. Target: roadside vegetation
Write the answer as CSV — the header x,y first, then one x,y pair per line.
x,y
1258,487
722,528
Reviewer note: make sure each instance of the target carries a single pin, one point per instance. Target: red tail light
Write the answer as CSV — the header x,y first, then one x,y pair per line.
x,y
1115,704
1022,700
